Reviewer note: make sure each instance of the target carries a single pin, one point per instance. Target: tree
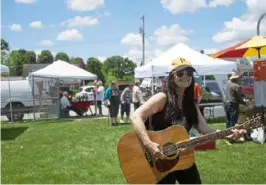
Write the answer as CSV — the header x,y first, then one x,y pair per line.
x,y
30,57
78,60
110,77
15,61
4,45
95,66
4,49
123,68
62,56
45,57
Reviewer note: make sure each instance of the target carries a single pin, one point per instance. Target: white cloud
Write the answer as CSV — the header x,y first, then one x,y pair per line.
x,y
180,6
36,24
25,1
101,58
244,27
163,36
15,27
210,50
107,13
84,5
171,35
135,54
215,3
46,43
81,21
133,39
70,34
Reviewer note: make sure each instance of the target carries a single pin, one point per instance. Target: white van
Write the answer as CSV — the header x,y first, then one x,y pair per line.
x,y
21,97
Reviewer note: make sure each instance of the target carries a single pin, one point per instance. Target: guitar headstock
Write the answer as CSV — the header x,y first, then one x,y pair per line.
x,y
255,121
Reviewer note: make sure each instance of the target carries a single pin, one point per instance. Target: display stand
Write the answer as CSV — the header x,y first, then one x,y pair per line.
x,y
259,67
259,106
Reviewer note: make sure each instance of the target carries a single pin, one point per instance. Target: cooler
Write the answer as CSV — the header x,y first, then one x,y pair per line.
x,y
259,67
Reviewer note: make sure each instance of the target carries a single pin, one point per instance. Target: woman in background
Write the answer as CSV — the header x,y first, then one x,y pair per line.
x,y
112,96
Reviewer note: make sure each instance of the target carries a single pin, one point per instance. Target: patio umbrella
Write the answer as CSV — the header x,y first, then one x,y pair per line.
x,y
255,46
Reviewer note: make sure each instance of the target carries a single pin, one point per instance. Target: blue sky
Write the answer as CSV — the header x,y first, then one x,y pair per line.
x,y
102,28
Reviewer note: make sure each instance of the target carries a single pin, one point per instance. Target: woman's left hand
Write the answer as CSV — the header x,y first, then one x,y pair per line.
x,y
237,134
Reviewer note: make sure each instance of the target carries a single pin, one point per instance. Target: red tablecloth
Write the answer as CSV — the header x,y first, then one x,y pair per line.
x,y
80,105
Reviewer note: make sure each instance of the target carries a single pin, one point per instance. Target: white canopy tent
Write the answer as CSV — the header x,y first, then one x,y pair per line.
x,y
64,71
4,69
203,64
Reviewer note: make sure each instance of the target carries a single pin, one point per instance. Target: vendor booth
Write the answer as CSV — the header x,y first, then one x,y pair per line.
x,y
61,71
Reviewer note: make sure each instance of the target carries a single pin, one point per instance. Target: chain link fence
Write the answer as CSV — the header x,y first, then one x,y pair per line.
x,y
33,99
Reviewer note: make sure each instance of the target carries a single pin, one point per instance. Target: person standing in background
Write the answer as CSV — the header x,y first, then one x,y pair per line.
x,y
197,93
65,104
94,95
99,96
126,98
112,96
233,99
136,96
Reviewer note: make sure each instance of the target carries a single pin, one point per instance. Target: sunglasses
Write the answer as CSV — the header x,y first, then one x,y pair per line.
x,y
182,73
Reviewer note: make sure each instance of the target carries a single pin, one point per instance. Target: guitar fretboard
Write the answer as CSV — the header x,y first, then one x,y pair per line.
x,y
208,138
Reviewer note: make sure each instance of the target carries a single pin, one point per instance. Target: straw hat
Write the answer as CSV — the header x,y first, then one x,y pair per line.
x,y
234,75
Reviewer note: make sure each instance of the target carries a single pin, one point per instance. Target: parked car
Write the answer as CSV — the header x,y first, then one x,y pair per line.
x,y
247,85
214,87
86,91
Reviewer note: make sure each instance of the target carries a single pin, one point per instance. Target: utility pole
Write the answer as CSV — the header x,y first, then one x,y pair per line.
x,y
258,23
142,32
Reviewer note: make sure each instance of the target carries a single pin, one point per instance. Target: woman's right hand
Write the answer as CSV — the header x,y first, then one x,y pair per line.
x,y
155,150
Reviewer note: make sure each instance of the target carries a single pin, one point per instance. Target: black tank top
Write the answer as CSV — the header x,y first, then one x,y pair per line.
x,y
159,121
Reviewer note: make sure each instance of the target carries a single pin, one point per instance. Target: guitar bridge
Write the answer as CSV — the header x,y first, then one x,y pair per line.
x,y
149,158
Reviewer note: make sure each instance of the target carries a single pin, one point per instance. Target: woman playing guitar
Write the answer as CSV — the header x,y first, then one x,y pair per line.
x,y
175,105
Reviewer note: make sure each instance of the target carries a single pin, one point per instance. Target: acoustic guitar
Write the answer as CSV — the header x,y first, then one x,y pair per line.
x,y
140,167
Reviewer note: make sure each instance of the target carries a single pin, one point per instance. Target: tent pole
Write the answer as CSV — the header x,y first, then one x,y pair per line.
x,y
33,99
10,102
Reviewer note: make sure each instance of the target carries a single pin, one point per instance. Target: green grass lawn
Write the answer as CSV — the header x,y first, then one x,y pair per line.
x,y
84,152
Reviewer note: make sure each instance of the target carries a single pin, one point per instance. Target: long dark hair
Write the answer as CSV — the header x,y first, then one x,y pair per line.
x,y
189,111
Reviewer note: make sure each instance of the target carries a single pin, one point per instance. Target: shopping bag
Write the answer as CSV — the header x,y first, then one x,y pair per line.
x,y
258,135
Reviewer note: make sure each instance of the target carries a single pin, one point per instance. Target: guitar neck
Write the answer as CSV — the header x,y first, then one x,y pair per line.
x,y
208,138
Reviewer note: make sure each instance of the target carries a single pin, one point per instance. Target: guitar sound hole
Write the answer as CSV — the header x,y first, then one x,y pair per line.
x,y
170,149
166,165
